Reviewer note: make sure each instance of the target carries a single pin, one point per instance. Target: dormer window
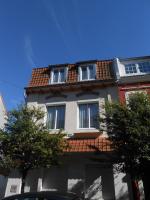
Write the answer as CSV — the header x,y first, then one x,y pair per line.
x,y
137,68
144,67
130,69
87,72
59,75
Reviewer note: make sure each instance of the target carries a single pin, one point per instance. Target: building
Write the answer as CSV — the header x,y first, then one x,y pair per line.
x,y
3,115
72,96
132,74
3,112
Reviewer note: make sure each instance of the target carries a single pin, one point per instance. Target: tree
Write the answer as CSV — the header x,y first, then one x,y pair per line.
x,y
26,144
128,127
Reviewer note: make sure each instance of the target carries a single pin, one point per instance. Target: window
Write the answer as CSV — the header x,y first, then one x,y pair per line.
x,y
87,72
88,115
130,69
144,67
56,117
128,94
59,75
137,68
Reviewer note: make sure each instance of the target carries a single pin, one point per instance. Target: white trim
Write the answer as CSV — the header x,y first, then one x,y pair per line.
x,y
65,74
89,113
55,104
128,93
77,117
56,114
88,73
86,129
86,102
56,111
141,87
137,68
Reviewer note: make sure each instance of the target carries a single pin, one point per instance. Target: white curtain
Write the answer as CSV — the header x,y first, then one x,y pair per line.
x,y
60,117
88,115
93,115
92,71
62,75
84,73
83,116
51,117
56,117
55,76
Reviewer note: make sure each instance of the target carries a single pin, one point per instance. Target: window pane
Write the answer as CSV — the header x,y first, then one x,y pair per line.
x,y
144,67
60,117
83,116
62,75
55,76
93,115
130,69
84,73
51,117
91,72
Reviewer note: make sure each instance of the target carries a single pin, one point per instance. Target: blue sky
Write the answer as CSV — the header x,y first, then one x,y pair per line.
x,y
35,33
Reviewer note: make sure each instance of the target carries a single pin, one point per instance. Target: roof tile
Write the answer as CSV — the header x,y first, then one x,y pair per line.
x,y
89,145
41,76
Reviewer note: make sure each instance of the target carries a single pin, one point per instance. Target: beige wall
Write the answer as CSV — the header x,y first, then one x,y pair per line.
x,y
71,102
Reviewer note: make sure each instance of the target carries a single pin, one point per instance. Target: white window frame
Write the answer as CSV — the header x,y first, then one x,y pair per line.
x,y
78,120
52,75
142,63
55,105
137,68
130,92
88,74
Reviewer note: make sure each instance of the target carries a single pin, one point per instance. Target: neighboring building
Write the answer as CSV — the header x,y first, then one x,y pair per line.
x,y
133,74
3,112
3,115
72,96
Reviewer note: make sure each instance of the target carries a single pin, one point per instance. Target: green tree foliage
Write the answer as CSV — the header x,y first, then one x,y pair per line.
x,y
26,144
128,126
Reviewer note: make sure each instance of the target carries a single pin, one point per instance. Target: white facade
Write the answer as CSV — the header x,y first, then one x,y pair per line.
x,y
71,102
77,174
139,76
3,113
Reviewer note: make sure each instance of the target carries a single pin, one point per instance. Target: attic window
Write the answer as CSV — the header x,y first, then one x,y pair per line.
x,y
59,75
144,67
87,72
137,68
130,69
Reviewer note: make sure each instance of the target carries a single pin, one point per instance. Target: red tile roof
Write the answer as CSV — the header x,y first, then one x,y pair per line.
x,y
41,76
89,145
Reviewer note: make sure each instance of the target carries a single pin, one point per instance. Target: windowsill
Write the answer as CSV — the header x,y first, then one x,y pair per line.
x,y
88,79
86,128
56,83
136,74
56,129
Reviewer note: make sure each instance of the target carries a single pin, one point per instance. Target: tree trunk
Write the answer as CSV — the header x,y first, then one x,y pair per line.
x,y
135,190
24,174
